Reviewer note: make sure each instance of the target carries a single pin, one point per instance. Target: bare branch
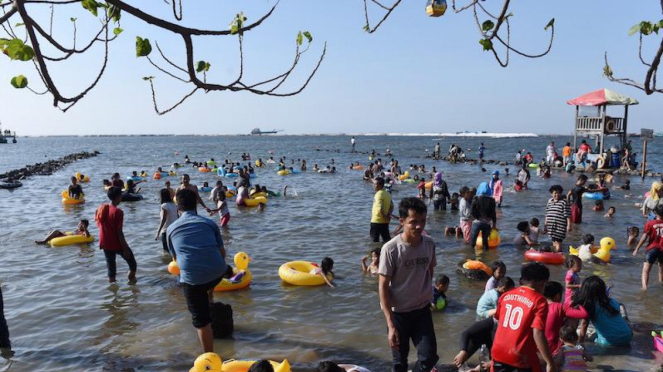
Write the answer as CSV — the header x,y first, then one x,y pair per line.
x,y
154,100
166,72
177,17
389,10
168,60
8,15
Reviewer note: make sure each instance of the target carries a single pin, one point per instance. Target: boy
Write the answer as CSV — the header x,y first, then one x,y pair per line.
x,y
482,149
487,304
575,196
521,318
80,230
465,208
611,212
439,292
406,270
219,198
534,230
111,237
654,252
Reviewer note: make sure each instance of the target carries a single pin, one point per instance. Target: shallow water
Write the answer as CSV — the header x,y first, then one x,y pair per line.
x,y
64,316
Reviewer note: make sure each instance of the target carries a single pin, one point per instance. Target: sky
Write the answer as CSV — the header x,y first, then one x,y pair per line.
x,y
416,74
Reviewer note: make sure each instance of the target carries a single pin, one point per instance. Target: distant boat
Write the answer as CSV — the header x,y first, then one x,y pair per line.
x,y
5,135
260,132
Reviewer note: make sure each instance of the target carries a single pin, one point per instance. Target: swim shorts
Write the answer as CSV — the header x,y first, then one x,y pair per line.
x,y
654,255
198,301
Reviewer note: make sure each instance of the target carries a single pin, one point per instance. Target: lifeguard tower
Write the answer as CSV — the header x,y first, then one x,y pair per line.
x,y
597,123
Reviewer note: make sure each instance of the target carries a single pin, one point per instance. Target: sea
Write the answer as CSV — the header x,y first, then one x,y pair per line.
x,y
63,315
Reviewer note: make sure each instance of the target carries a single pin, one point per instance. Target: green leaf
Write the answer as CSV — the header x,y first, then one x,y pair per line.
x,y
607,71
146,78
634,29
487,25
551,23
143,47
237,23
19,82
366,28
202,66
300,38
117,31
114,13
16,50
646,27
308,36
91,5
487,44
19,24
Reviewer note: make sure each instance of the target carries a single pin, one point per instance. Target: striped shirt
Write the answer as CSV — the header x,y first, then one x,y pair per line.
x,y
557,212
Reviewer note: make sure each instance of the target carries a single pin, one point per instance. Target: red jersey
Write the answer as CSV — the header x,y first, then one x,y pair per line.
x,y
654,231
109,220
518,312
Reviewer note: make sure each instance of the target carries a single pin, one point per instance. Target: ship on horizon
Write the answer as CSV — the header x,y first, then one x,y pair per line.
x,y
257,131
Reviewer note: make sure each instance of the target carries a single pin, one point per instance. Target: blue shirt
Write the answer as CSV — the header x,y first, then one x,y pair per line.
x,y
611,330
196,241
487,302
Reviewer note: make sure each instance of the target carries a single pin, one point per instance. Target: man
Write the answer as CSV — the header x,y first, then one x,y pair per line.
x,y
550,152
382,207
521,320
195,243
189,186
406,270
482,149
5,343
352,141
575,196
566,153
436,152
110,219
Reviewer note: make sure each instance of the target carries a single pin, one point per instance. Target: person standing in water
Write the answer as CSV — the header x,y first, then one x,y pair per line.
x,y
550,154
189,186
382,207
352,142
482,149
406,269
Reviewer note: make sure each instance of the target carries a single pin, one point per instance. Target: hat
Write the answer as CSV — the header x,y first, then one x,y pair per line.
x,y
496,172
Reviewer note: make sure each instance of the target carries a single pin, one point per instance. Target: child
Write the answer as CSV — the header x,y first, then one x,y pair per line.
x,y
329,366
572,280
558,313
80,230
454,201
375,262
522,239
611,212
439,292
487,304
572,356
627,185
633,232
534,230
499,271
654,251
261,366
465,208
598,206
326,266
422,188
520,320
585,250
496,186
218,195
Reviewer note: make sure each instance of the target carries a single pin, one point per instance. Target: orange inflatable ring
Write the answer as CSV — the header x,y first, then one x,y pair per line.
x,y
477,265
204,169
551,258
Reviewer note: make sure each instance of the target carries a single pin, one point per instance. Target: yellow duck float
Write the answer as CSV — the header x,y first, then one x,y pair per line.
x,y
602,252
241,266
211,362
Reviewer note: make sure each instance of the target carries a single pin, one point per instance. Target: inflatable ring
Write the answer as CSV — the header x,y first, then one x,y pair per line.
x,y
259,194
221,171
241,266
493,239
66,200
131,197
358,167
82,178
283,172
658,343
593,195
574,251
533,165
254,202
428,185
136,178
204,169
172,173
408,180
257,163
157,176
144,174
211,163
70,239
204,188
551,258
230,193
231,175
299,273
474,269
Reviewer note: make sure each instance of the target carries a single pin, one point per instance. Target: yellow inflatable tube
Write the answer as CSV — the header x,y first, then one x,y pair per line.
x,y
254,202
211,362
82,178
493,239
283,172
66,200
259,194
299,273
70,239
241,265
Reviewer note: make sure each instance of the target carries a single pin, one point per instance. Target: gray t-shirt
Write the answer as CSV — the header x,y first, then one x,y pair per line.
x,y
411,272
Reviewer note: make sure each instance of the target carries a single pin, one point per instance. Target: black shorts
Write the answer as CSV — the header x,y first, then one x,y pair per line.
x,y
380,230
654,255
198,302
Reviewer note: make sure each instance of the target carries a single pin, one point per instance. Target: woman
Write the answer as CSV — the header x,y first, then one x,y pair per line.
x,y
479,333
496,187
558,217
168,215
439,193
483,211
654,199
611,328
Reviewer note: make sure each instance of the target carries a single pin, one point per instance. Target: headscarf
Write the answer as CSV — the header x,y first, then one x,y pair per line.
x,y
492,181
655,187
438,179
484,189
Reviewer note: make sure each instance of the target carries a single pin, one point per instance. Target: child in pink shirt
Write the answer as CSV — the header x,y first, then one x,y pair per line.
x,y
572,280
557,314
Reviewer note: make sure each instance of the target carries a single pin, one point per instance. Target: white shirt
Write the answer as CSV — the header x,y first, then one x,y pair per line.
x,y
170,210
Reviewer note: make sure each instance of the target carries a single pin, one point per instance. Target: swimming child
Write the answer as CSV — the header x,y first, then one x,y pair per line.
x,y
261,365
218,196
522,239
626,186
572,279
439,292
598,206
654,251
371,268
611,212
534,230
572,356
488,302
326,266
499,271
633,232
585,250
80,230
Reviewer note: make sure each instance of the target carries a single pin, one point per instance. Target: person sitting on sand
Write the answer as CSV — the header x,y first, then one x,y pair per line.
x,y
80,230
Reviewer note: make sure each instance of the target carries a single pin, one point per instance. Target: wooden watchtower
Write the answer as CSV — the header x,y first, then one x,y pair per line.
x,y
601,125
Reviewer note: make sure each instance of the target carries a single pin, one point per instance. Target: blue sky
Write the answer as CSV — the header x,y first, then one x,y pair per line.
x,y
416,74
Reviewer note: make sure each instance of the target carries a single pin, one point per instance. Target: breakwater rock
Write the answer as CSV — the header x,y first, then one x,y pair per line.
x,y
47,168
